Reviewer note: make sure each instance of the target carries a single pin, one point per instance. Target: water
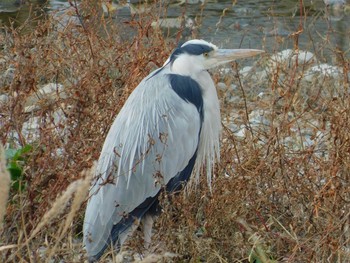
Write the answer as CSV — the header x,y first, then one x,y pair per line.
x,y
269,24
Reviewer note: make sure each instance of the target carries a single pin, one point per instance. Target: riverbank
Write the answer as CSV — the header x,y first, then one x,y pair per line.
x,y
280,192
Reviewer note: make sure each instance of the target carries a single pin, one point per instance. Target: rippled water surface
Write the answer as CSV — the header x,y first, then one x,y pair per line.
x,y
272,25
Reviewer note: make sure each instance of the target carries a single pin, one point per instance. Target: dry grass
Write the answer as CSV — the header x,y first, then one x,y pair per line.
x,y
5,181
273,198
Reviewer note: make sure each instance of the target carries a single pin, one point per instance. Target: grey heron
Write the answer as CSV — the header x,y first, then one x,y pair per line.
x,y
168,127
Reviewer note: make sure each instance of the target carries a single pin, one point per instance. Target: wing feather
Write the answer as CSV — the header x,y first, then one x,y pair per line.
x,y
153,138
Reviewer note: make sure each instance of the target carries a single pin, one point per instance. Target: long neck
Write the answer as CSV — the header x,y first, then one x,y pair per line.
x,y
209,149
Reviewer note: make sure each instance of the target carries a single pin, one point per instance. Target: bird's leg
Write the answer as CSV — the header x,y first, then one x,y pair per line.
x,y
125,235
147,222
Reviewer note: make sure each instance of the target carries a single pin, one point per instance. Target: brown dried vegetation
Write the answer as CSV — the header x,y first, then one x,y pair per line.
x,y
267,199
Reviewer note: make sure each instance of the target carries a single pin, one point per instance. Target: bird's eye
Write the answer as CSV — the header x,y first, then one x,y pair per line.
x,y
206,55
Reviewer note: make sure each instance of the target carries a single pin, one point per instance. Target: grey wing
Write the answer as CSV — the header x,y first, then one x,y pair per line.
x,y
153,138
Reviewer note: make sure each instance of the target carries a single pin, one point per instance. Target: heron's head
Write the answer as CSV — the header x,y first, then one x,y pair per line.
x,y
198,55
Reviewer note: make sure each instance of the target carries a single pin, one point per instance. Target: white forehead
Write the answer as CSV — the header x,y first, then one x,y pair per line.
x,y
200,42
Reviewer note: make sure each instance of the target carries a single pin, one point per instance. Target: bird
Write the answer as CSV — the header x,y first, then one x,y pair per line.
x,y
168,129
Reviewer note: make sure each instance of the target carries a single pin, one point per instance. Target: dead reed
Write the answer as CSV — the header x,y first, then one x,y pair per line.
x,y
274,198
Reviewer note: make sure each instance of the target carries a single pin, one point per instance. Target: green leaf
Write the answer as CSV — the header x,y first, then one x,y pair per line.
x,y
16,159
16,175
19,155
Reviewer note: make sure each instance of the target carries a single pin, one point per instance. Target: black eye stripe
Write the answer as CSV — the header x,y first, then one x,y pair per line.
x,y
192,49
196,49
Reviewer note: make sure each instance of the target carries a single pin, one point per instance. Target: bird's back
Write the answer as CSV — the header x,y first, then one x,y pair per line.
x,y
153,139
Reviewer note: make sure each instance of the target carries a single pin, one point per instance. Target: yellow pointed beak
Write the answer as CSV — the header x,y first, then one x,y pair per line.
x,y
227,55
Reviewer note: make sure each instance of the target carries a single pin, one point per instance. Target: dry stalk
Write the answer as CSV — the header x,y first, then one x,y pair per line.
x,y
80,195
58,207
5,181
